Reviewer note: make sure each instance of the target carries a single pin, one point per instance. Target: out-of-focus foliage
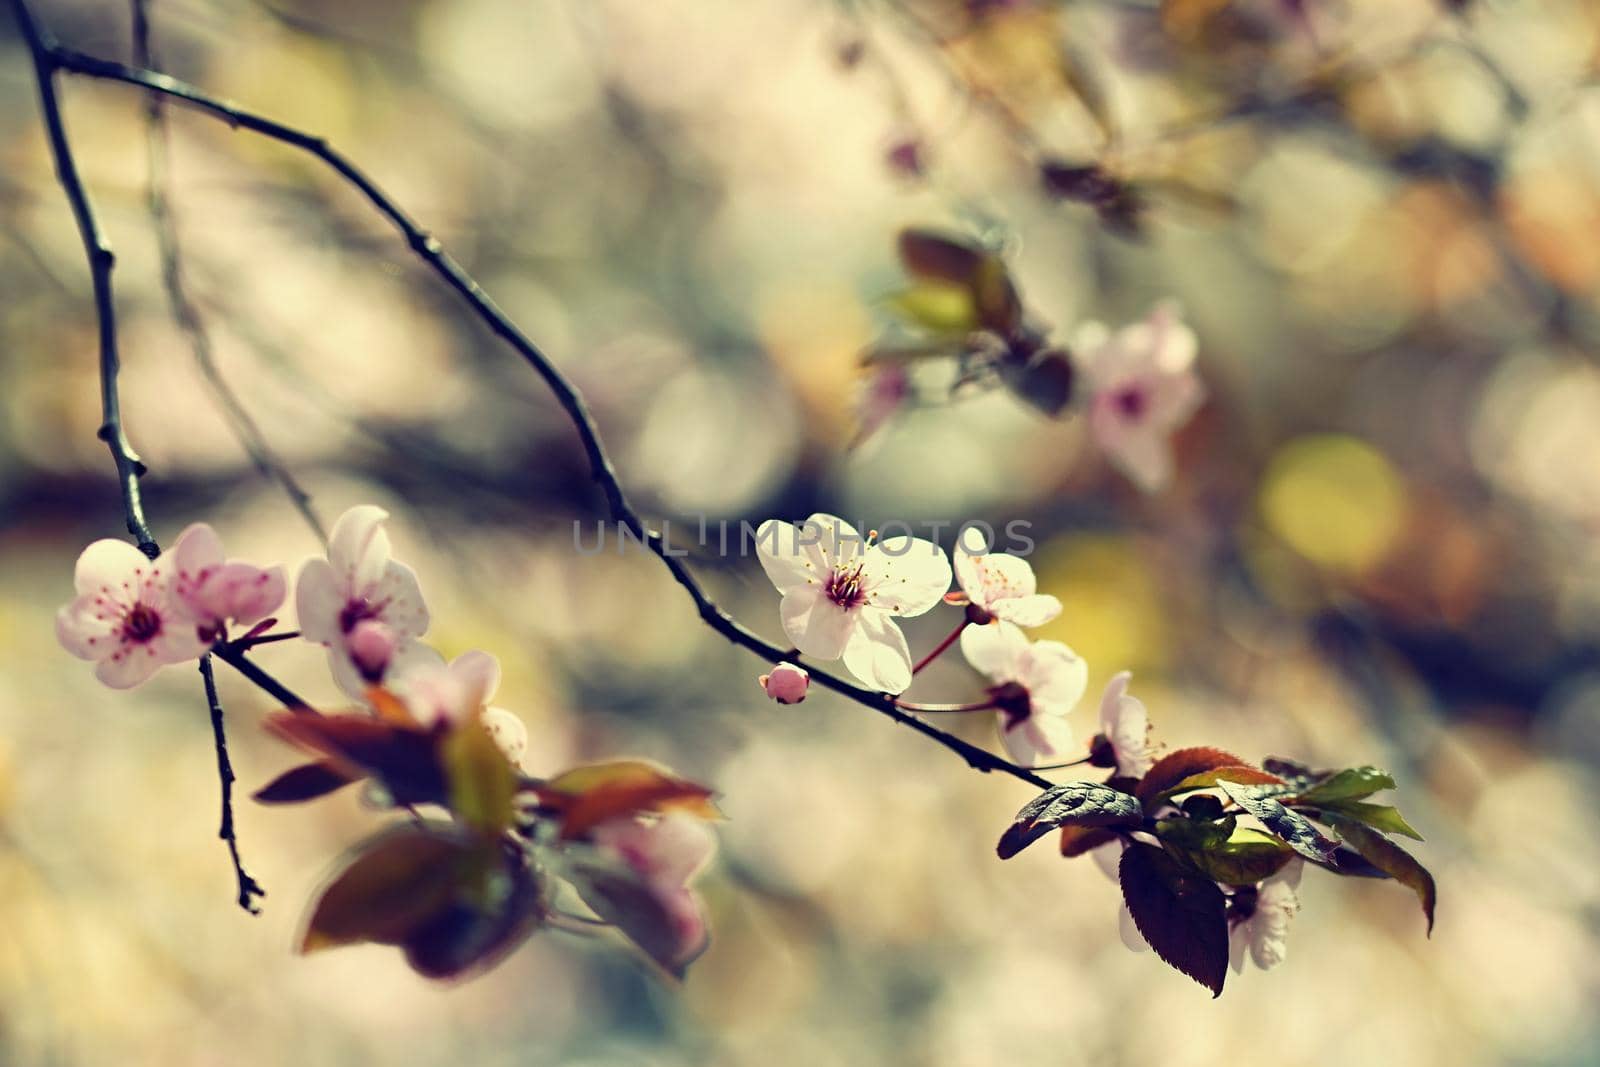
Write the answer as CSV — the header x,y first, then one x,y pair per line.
x,y
1382,545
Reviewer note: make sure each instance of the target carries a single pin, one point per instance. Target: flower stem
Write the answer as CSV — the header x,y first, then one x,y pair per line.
x,y
942,709
1060,766
938,651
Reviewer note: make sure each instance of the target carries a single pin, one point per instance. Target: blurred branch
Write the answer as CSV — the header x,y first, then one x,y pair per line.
x,y
184,312
249,888
428,249
44,52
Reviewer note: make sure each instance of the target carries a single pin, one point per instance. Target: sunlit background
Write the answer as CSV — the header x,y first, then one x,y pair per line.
x,y
1382,217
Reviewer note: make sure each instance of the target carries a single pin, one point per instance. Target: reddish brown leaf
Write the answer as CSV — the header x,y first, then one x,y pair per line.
x,y
1182,915
404,758
486,919
932,255
1076,840
1174,767
306,782
394,883
585,797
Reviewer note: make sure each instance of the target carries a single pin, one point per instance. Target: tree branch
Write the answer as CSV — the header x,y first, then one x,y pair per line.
x,y
46,61
429,250
249,888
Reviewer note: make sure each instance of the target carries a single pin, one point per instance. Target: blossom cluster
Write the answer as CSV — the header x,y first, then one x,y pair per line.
x,y
628,838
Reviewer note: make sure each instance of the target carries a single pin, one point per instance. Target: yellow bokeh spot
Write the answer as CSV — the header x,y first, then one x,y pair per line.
x,y
1333,499
1111,608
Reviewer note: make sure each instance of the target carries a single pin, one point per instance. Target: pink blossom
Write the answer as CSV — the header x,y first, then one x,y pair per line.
x,y
1036,684
1144,389
449,694
358,583
787,684
841,594
1126,727
1001,585
126,619
214,591
667,852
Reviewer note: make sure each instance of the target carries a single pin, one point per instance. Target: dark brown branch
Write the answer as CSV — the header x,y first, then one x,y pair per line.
x,y
46,61
249,888
442,263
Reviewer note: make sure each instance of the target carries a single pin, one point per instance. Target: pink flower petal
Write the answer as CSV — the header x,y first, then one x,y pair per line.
x,y
318,600
86,627
112,568
358,549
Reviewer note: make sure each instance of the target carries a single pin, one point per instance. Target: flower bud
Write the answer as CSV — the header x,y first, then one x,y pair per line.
x,y
787,684
371,646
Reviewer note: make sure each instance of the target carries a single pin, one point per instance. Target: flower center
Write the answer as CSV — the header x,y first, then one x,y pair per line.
x,y
355,611
844,587
1132,402
1012,701
141,624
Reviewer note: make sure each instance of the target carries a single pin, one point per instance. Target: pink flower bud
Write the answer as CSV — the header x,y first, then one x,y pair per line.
x,y
787,684
371,646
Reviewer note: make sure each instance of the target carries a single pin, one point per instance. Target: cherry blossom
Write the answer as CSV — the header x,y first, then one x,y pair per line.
x,y
1036,684
787,684
214,591
667,852
1000,585
126,619
842,593
1126,728
358,583
1144,388
1264,931
443,695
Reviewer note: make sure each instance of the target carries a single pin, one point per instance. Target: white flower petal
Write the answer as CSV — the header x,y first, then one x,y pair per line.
x,y
838,542
817,626
397,598
318,600
86,627
994,649
1238,942
1108,857
1054,676
509,732
877,653
1040,738
790,559
905,575
111,568
358,549
1033,610
1129,930
128,666
479,675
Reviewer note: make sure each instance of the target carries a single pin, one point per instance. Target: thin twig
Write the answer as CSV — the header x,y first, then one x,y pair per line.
x,y
249,888
234,656
46,61
604,474
164,221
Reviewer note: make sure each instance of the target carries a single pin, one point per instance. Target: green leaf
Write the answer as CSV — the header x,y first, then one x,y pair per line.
x,y
1072,804
940,307
394,882
1378,816
1182,915
1295,829
482,784
1352,784
1247,857
1391,859
1195,833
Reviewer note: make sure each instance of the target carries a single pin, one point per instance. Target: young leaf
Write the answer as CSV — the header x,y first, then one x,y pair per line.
x,y
939,307
1245,858
490,915
934,256
1076,804
404,758
1045,381
1076,840
1378,816
1352,784
1182,915
1195,833
394,882
482,783
1295,829
306,782
1391,859
588,796
1176,768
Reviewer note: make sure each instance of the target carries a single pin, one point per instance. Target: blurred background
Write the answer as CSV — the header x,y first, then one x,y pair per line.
x,y
1382,218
